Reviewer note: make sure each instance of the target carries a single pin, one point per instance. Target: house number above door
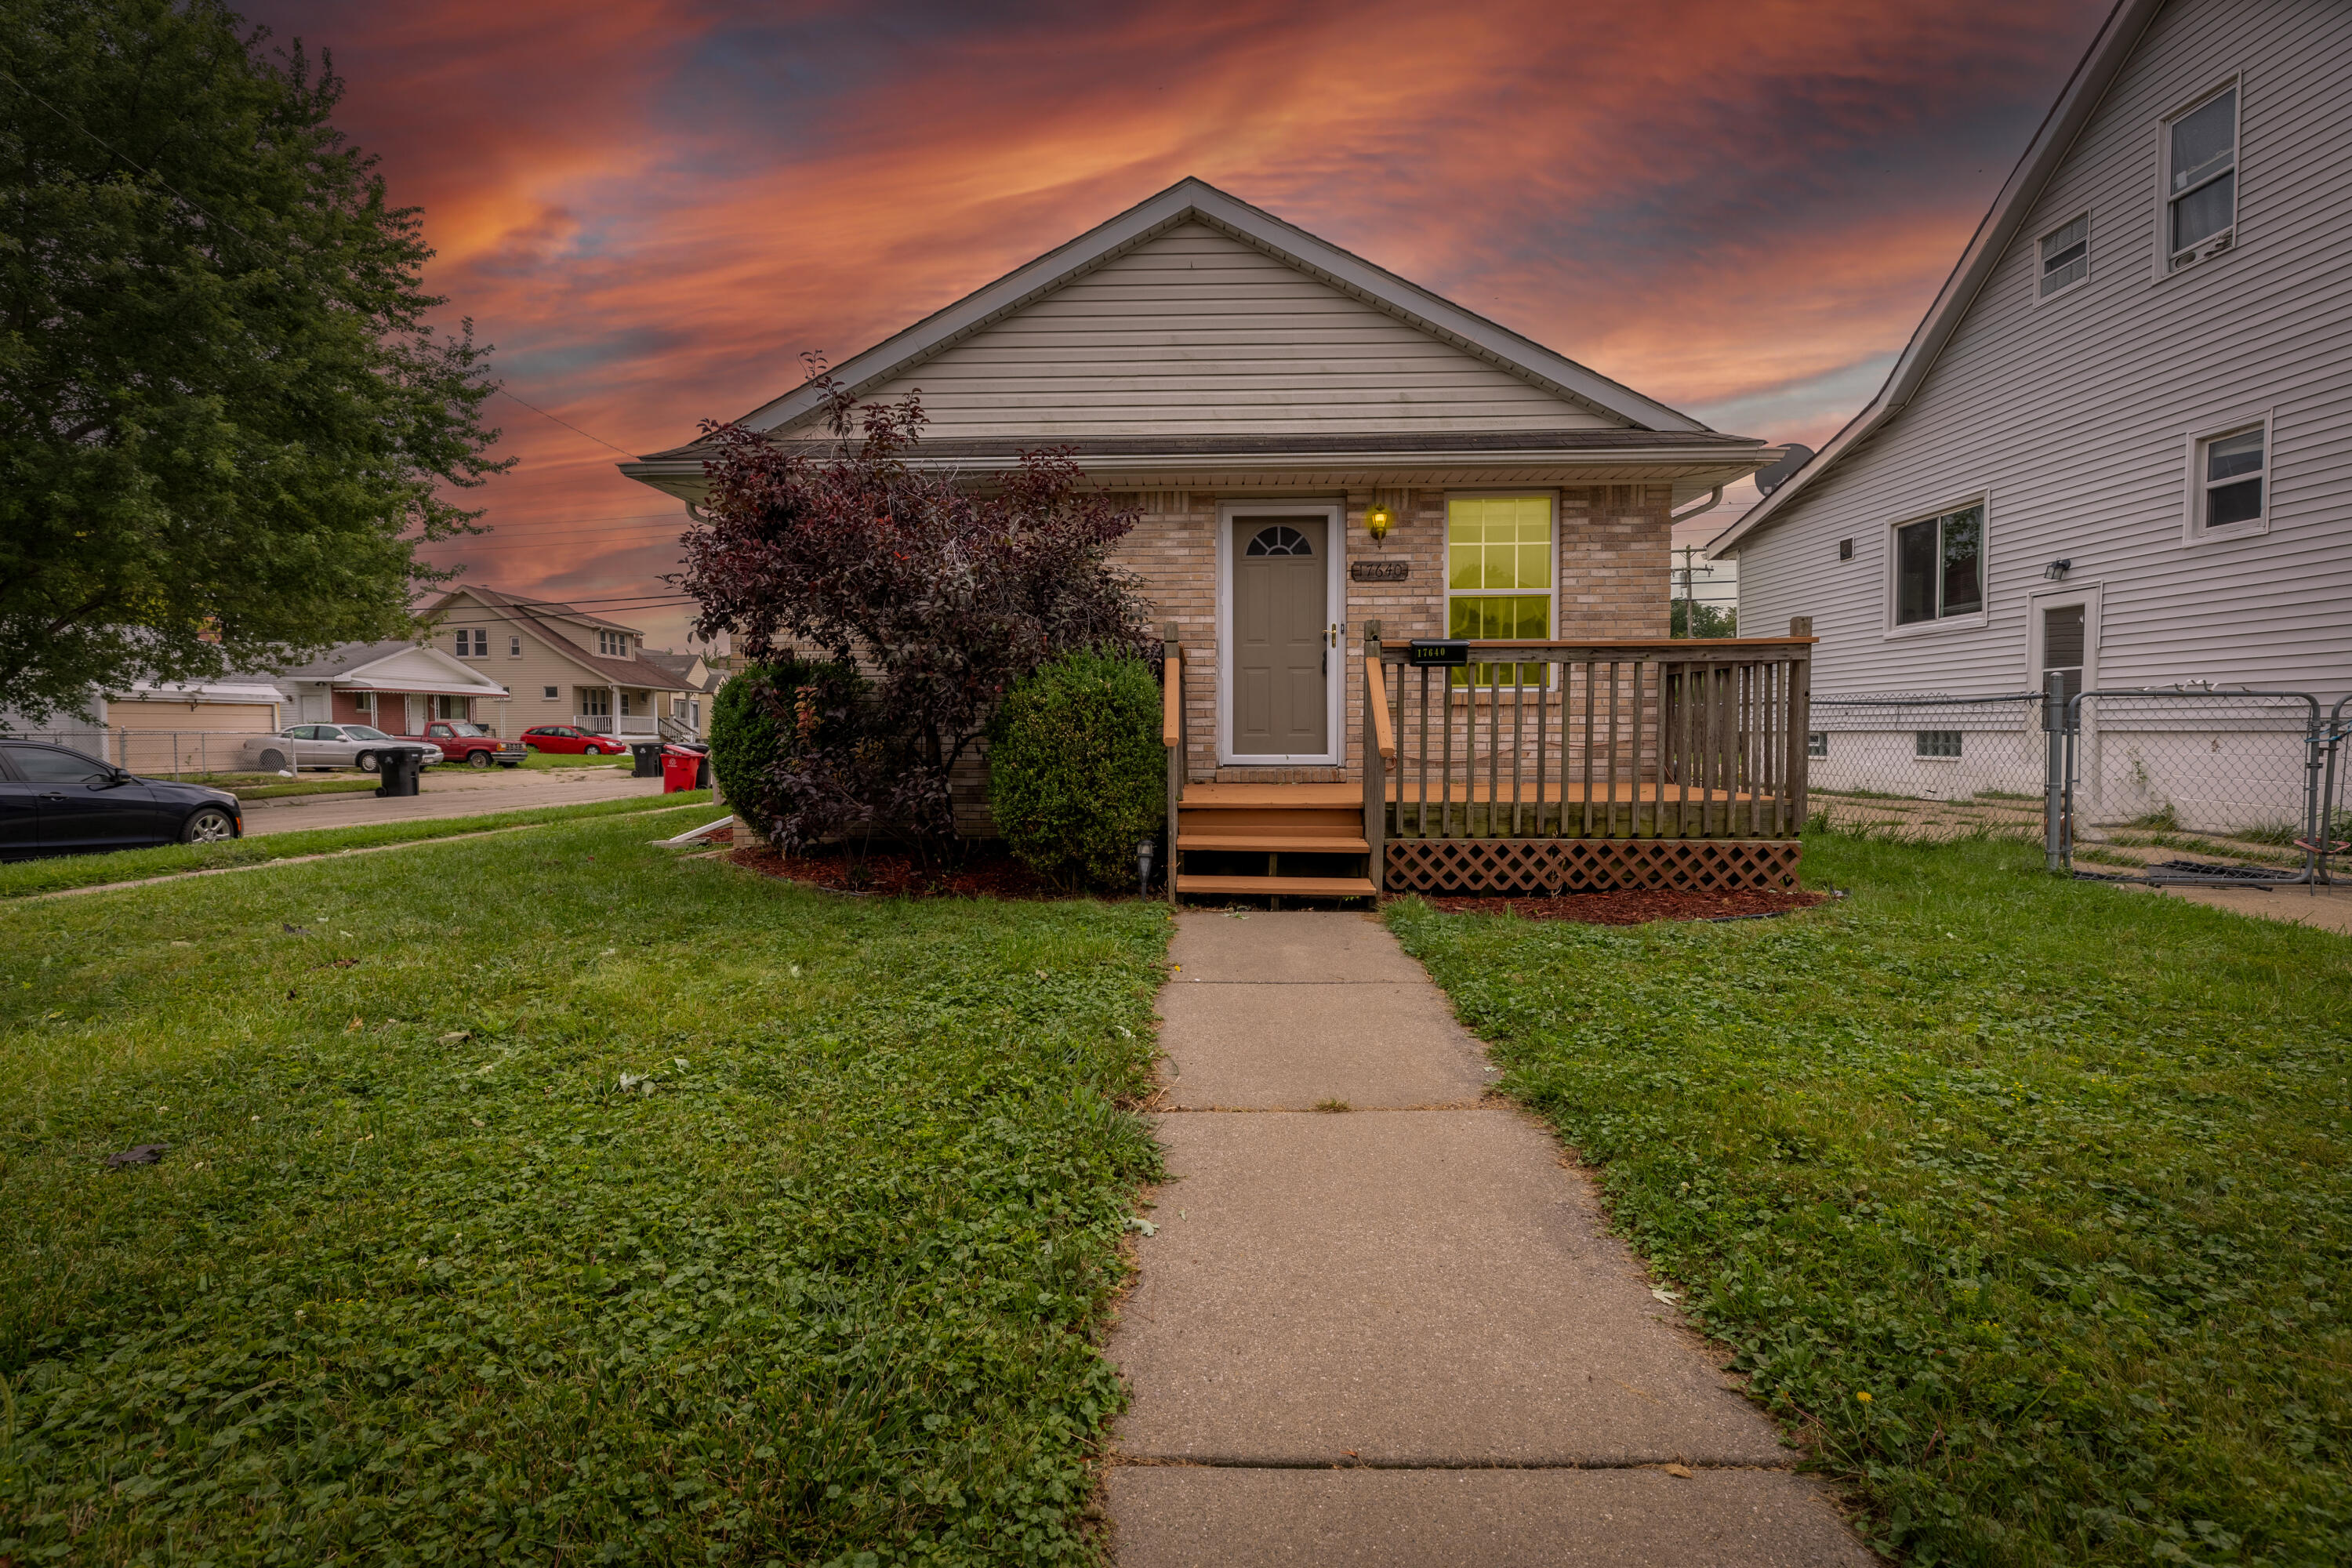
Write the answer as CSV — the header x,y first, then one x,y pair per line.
x,y
1380,571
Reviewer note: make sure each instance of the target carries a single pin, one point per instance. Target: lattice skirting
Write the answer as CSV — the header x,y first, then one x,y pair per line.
x,y
1548,866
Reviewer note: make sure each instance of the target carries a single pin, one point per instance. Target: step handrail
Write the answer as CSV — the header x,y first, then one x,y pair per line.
x,y
1172,736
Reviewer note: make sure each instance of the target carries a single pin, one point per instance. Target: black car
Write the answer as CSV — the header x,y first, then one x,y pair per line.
x,y
58,801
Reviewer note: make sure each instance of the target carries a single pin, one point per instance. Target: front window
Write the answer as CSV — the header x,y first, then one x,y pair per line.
x,y
2230,478
2201,188
2066,255
353,733
1498,579
1939,567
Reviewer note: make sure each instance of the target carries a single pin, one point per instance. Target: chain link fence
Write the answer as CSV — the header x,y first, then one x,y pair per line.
x,y
2179,783
193,754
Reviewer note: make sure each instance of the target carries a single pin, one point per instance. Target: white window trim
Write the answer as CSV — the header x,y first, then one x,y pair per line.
x,y
1335,604
1893,629
2092,596
2090,258
1445,574
2162,263
2192,528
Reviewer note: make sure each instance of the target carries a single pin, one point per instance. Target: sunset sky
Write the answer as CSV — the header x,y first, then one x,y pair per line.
x,y
651,207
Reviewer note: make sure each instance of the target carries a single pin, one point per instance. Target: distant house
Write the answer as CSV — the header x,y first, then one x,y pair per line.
x,y
169,727
565,665
2116,450
397,686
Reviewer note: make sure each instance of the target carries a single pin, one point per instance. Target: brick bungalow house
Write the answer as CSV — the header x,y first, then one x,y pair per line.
x,y
1320,452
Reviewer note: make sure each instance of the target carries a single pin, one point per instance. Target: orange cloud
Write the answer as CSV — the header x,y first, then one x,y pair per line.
x,y
652,207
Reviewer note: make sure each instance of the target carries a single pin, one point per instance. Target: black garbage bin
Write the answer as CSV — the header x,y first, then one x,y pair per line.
x,y
702,774
398,772
648,759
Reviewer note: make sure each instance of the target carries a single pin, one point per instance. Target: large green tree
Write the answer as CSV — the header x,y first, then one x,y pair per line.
x,y
224,421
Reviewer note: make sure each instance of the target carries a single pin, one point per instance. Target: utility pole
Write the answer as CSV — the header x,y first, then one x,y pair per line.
x,y
1690,589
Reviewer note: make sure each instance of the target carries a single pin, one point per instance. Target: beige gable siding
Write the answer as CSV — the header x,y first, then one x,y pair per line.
x,y
1195,334
2072,415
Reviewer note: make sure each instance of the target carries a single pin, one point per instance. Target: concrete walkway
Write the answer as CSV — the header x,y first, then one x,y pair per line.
x,y
1401,1333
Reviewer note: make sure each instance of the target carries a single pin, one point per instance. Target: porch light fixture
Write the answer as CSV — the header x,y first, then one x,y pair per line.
x,y
2056,570
1378,521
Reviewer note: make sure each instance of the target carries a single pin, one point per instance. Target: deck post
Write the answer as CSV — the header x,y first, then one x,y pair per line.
x,y
1379,746
1800,716
1172,736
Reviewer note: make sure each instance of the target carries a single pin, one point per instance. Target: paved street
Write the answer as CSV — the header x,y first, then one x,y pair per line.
x,y
1396,1330
448,792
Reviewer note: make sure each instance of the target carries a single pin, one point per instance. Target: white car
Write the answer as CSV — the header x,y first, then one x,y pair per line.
x,y
361,746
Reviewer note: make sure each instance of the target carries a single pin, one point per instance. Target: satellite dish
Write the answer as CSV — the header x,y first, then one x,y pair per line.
x,y
1772,479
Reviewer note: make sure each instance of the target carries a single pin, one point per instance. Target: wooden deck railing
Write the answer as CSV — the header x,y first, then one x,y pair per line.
x,y
1172,736
1649,738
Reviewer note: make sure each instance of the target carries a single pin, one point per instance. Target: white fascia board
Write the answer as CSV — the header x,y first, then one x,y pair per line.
x,y
2094,74
1194,198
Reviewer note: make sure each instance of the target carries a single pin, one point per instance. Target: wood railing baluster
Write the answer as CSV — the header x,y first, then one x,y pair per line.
x,y
1421,794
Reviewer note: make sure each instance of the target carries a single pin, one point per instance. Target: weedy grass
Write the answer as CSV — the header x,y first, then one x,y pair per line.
x,y
2027,1200
60,872
553,1195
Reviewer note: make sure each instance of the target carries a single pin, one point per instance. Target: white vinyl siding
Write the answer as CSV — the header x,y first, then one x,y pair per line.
x,y
1195,334
2079,417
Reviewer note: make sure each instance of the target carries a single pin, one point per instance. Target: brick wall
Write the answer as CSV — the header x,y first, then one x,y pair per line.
x,y
1612,557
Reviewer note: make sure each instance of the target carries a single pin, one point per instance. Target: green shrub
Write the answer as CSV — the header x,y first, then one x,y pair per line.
x,y
1075,770
755,730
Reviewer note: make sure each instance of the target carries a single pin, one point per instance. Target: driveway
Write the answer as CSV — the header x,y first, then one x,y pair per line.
x,y
448,792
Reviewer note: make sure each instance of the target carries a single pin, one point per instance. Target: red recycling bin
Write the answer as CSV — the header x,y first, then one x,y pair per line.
x,y
679,768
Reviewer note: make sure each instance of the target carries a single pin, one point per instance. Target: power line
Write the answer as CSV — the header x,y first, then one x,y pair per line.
x,y
567,423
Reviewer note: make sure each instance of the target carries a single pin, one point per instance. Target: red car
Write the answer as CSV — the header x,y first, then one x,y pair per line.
x,y
572,742
472,745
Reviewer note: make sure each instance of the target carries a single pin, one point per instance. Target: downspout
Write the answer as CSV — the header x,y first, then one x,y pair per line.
x,y
1715,499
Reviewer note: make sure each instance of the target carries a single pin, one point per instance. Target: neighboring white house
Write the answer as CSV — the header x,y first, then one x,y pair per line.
x,y
2119,447
397,686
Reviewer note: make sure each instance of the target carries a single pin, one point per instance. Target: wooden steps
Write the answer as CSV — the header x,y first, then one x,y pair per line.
x,y
1301,887
1234,840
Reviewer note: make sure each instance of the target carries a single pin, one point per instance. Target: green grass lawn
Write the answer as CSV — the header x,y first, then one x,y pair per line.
x,y
554,1196
2027,1200
58,872
566,760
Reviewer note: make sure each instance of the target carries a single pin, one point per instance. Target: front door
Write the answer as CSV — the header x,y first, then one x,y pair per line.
x,y
1281,621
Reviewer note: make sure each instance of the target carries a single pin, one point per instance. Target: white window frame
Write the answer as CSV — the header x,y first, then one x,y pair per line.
x,y
1335,604
1892,569
1447,595
2090,235
514,646
2092,597
551,694
2213,246
2192,521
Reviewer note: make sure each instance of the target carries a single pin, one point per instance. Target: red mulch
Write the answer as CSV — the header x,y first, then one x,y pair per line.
x,y
895,876
1635,906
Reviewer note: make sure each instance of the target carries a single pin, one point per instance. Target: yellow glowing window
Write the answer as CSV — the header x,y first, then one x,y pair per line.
x,y
1498,579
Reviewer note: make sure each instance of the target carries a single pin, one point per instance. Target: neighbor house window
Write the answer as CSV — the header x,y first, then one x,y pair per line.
x,y
612,645
2066,255
2229,490
548,693
1498,579
596,702
514,647
2200,178
1939,566
475,642
1935,742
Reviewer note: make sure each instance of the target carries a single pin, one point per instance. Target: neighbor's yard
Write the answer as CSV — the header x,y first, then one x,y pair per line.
x,y
2030,1200
420,1280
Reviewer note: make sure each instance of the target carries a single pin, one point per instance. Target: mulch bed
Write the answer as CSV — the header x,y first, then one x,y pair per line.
x,y
1637,906
895,876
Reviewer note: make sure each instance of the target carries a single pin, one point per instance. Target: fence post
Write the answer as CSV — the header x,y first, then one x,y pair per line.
x,y
1801,720
2053,784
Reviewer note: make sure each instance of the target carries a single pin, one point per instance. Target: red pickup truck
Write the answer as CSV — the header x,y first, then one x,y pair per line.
x,y
471,745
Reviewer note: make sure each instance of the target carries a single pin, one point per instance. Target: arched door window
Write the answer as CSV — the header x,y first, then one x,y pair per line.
x,y
1279,540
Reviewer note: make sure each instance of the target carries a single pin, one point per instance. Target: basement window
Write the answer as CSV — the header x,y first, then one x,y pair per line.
x,y
1936,744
